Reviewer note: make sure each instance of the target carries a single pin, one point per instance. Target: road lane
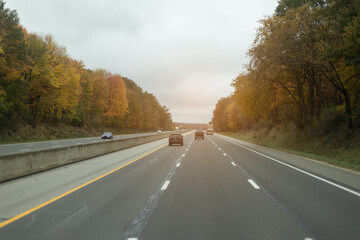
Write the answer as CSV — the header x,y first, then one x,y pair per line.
x,y
320,168
209,198
7,149
103,209
30,191
206,189
327,211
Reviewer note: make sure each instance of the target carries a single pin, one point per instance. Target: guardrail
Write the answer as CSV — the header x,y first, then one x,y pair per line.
x,y
22,164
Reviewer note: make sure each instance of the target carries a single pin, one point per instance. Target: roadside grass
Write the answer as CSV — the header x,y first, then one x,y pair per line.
x,y
330,148
27,133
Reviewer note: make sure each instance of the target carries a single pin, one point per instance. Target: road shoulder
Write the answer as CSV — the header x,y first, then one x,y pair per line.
x,y
335,173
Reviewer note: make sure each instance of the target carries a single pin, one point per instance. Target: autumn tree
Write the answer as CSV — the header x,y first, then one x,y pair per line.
x,y
117,104
304,63
145,112
221,114
12,57
41,84
134,117
165,121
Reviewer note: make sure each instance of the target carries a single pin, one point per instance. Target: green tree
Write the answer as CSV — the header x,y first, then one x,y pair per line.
x,y
134,118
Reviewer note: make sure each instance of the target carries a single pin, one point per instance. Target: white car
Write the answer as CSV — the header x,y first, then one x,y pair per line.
x,y
159,132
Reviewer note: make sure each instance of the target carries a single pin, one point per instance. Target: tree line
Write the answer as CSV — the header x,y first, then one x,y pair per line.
x,y
304,67
41,84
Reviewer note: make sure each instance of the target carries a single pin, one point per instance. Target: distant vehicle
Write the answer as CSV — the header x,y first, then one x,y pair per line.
x,y
177,129
210,129
107,135
159,132
209,132
199,134
176,138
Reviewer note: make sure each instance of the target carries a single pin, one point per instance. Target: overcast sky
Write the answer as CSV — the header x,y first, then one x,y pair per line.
x,y
185,52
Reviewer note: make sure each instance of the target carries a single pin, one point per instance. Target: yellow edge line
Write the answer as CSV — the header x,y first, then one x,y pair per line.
x,y
21,215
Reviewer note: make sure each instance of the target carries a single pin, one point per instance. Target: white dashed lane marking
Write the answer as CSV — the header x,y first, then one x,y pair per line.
x,y
299,170
178,165
253,184
233,164
24,150
225,154
166,184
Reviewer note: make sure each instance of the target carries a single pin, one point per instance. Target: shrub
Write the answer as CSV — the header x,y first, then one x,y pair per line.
x,y
330,120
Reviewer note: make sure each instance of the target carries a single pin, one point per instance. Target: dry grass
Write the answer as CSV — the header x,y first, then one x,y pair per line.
x,y
337,148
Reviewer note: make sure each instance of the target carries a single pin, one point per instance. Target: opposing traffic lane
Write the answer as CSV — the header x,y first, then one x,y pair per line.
x,y
7,149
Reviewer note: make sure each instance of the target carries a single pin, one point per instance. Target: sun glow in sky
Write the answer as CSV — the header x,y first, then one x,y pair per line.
x,y
184,52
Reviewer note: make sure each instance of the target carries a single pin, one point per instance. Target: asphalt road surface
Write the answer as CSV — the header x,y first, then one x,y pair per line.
x,y
207,189
7,149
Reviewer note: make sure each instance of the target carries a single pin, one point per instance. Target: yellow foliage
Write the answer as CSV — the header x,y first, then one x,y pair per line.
x,y
117,102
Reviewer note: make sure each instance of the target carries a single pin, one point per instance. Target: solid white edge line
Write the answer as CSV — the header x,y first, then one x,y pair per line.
x,y
298,169
166,184
178,165
253,184
233,164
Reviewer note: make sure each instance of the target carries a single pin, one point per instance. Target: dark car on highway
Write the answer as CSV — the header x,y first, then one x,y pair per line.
x,y
176,138
107,135
199,134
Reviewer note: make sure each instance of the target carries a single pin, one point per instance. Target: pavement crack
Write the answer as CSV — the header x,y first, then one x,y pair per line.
x,y
140,222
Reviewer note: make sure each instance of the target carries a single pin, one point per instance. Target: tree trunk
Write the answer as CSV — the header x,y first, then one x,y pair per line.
x,y
338,84
349,122
311,86
302,110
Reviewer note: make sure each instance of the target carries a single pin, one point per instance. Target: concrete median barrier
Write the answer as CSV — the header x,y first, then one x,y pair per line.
x,y
22,164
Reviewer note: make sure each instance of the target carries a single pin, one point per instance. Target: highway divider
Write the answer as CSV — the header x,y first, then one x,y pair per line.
x,y
26,163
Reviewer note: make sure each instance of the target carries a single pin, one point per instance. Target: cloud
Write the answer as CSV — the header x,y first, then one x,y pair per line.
x,y
184,52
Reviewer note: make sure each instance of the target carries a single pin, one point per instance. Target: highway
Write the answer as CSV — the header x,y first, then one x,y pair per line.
x,y
7,149
217,188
